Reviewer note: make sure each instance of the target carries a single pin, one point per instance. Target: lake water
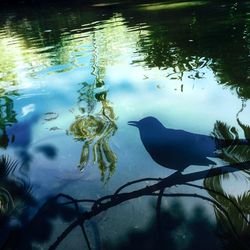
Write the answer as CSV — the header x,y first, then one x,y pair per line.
x,y
73,76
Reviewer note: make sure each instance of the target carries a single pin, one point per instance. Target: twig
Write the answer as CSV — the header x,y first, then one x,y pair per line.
x,y
78,201
136,181
174,179
85,236
75,202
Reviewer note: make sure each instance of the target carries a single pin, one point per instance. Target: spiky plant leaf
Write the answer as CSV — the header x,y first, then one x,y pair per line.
x,y
7,166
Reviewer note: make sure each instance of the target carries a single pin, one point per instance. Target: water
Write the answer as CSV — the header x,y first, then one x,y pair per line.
x,y
72,77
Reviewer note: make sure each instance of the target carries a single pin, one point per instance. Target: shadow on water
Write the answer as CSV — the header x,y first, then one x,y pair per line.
x,y
40,227
175,229
16,199
21,142
197,43
170,228
178,149
178,231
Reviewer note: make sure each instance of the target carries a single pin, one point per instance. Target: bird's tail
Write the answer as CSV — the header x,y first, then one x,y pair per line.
x,y
226,136
224,143
230,147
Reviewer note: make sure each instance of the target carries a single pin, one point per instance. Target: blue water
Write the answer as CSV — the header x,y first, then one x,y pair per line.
x,y
72,77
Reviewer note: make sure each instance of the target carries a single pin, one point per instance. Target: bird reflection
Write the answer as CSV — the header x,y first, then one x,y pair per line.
x,y
178,149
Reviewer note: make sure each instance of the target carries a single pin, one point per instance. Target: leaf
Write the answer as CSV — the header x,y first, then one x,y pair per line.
x,y
84,156
246,130
7,166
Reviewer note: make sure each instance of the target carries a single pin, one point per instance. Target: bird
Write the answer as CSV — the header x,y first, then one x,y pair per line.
x,y
177,149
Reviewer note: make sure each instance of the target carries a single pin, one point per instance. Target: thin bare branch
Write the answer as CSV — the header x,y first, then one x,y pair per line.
x,y
174,179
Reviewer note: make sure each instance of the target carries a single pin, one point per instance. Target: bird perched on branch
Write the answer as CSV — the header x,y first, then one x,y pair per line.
x,y
178,149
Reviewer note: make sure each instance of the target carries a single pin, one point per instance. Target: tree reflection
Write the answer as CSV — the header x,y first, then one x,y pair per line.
x,y
192,39
179,231
95,131
95,128
7,118
199,42
157,190
173,222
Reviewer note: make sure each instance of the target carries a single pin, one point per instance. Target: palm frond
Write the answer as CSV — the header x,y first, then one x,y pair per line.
x,y
224,131
246,130
7,166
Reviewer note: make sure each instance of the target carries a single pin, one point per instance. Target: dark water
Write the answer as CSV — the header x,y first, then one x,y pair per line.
x,y
70,80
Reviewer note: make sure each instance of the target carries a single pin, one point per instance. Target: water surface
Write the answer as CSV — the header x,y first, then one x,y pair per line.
x,y
70,80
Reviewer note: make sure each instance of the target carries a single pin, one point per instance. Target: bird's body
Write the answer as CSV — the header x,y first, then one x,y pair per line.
x,y
177,149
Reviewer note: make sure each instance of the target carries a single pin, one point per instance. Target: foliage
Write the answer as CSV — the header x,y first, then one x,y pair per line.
x,y
234,153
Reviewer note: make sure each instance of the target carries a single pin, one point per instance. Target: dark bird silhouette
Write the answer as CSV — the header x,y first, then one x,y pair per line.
x,y
178,149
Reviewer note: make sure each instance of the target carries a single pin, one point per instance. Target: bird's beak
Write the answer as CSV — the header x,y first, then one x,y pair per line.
x,y
133,123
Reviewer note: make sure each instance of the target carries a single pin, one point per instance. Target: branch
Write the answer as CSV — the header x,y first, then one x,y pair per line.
x,y
136,181
174,179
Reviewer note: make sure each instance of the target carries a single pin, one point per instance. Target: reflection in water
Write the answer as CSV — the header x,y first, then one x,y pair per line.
x,y
40,227
178,149
95,131
187,47
39,47
15,197
7,118
168,6
179,231
201,41
48,150
96,128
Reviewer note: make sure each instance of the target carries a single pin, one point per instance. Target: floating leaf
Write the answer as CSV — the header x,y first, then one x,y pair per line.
x,y
50,116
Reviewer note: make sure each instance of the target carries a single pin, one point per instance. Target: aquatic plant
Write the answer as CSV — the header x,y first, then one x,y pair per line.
x,y
95,131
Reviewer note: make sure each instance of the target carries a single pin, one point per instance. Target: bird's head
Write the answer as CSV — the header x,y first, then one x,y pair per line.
x,y
133,123
147,122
